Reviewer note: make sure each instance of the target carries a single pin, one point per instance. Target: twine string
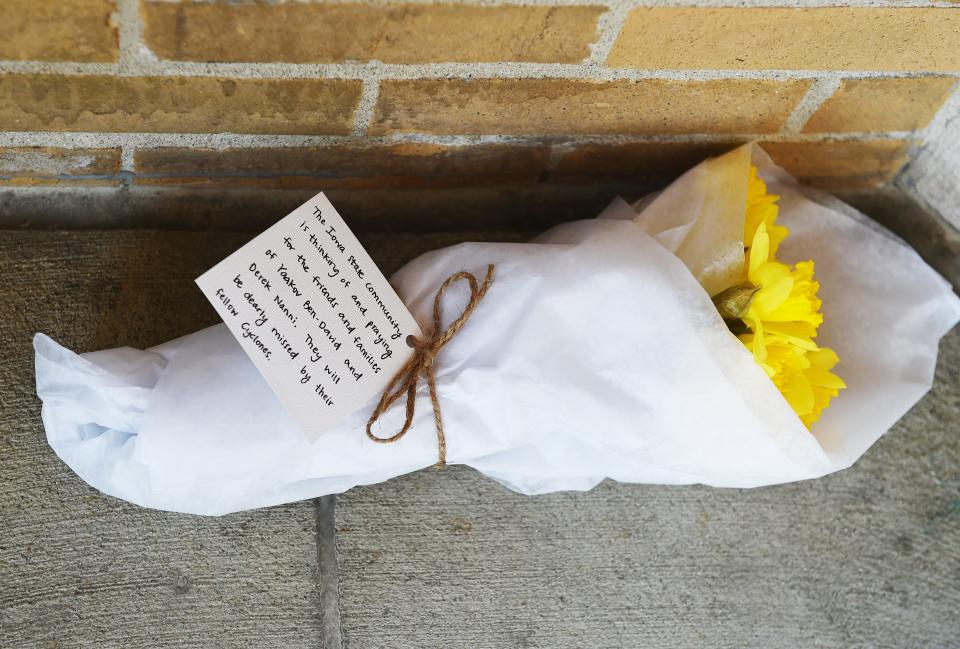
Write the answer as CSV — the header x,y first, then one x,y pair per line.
x,y
404,382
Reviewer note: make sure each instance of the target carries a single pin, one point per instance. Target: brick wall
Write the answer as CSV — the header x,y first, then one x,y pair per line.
x,y
178,113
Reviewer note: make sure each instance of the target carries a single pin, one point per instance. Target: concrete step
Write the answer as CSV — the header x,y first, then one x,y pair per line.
x,y
866,557
80,569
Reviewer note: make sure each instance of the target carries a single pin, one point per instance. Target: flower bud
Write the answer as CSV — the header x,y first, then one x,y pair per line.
x,y
734,302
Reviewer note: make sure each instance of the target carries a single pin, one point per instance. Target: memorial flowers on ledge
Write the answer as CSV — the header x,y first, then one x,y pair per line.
x,y
684,338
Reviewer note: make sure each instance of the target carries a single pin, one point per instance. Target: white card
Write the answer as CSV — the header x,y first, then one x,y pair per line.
x,y
314,313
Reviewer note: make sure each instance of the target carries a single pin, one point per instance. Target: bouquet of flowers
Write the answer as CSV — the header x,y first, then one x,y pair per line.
x,y
735,330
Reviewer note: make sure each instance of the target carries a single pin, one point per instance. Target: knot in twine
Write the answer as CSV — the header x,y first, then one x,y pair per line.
x,y
425,353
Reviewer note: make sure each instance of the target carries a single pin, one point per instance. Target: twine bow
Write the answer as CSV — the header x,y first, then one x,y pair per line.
x,y
425,353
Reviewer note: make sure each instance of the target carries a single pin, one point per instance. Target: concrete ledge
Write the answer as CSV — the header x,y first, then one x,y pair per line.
x,y
866,557
520,210
81,569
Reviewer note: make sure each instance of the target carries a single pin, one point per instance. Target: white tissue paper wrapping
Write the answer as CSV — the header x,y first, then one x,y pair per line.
x,y
596,354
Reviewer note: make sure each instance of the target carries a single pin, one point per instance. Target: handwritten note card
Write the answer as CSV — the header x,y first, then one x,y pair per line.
x,y
314,313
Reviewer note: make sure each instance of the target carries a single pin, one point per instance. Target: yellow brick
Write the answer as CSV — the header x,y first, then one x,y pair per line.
x,y
58,30
841,164
564,106
52,166
40,102
872,105
397,166
823,38
393,33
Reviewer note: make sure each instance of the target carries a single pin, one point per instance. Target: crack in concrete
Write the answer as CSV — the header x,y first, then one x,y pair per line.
x,y
328,573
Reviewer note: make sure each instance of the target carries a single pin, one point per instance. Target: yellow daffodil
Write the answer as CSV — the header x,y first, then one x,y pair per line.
x,y
786,302
824,383
801,374
762,208
779,307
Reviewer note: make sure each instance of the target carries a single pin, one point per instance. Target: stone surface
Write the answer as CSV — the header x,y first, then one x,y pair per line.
x,y
400,166
591,162
914,39
476,188
52,166
80,569
98,103
867,557
476,168
392,33
878,104
837,165
514,207
570,106
933,174
841,164
65,30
